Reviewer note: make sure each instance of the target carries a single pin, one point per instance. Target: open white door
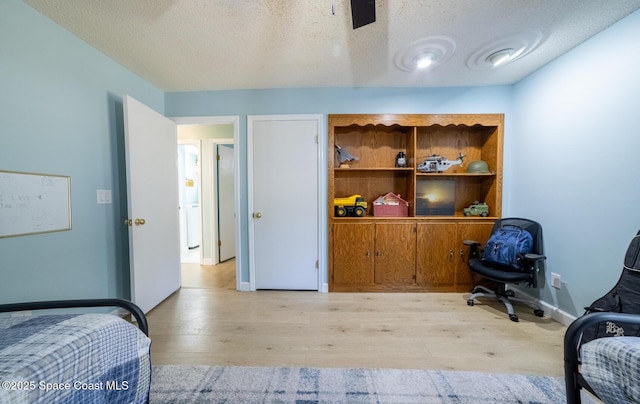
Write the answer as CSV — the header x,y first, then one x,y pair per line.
x,y
152,199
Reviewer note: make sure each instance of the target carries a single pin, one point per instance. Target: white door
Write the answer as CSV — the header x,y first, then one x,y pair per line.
x,y
226,202
152,199
283,201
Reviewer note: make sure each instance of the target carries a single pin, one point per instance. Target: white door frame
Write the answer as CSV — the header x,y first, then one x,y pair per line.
x,y
213,143
224,120
322,192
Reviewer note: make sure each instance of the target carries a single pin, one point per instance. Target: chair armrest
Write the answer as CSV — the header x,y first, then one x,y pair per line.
x,y
535,257
474,248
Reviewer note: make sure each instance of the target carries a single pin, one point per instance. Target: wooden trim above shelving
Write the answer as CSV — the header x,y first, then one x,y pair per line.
x,y
408,120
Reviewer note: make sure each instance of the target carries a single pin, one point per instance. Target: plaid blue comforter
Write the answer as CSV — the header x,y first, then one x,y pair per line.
x,y
611,366
77,358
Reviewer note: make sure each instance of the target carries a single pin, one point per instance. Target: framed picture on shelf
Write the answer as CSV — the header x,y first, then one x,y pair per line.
x,y
435,197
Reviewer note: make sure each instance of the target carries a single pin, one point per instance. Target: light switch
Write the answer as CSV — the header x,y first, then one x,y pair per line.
x,y
104,196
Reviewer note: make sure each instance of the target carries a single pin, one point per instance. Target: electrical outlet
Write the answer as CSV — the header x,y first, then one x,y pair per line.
x,y
555,281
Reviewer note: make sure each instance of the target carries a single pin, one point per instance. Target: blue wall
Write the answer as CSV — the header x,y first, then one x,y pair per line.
x,y
575,145
330,101
570,142
61,113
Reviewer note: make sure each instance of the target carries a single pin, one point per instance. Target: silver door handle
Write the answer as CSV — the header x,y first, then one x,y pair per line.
x,y
257,215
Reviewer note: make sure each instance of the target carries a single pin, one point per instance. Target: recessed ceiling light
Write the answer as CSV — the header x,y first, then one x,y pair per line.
x,y
425,60
505,50
425,52
500,57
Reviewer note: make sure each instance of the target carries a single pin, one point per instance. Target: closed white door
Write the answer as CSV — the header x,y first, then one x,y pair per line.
x,y
152,199
283,201
226,202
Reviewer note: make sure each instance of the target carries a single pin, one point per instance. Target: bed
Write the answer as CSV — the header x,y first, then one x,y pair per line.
x,y
608,368
60,356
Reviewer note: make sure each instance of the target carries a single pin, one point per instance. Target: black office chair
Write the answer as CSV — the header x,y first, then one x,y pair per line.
x,y
503,276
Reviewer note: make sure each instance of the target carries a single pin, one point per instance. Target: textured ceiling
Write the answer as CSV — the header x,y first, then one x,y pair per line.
x,y
197,45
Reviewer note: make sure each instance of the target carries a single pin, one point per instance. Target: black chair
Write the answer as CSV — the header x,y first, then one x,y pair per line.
x,y
503,276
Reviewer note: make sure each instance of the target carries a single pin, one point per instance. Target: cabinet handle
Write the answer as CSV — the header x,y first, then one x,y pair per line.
x,y
368,254
450,253
378,253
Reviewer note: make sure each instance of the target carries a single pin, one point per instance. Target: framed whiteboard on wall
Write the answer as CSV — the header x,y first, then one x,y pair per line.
x,y
34,203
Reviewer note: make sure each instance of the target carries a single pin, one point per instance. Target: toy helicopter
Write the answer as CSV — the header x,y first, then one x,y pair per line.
x,y
437,164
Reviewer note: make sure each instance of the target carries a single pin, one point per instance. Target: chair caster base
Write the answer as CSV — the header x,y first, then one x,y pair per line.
x,y
538,313
470,302
514,317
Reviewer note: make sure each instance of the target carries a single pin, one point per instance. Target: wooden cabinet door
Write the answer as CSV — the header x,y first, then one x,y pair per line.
x,y
353,252
478,231
436,255
395,253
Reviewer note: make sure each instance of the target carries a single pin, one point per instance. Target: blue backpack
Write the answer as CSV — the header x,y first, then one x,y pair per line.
x,y
507,246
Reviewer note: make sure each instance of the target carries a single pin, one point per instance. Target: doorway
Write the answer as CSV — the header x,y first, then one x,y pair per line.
x,y
203,134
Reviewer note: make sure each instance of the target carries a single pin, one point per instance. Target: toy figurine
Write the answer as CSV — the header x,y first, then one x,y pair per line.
x,y
476,209
344,155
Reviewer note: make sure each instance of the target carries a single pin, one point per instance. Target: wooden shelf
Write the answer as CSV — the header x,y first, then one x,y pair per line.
x,y
445,174
400,169
416,252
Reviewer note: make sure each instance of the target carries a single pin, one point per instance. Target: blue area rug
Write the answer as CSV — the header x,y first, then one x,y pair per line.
x,y
236,384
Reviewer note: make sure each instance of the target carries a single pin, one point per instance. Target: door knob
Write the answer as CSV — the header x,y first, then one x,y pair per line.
x,y
257,215
128,222
139,222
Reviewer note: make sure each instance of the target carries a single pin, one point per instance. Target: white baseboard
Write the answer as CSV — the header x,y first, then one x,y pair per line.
x,y
555,313
207,261
244,287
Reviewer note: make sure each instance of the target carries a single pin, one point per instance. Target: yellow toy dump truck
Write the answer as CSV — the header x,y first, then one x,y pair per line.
x,y
353,205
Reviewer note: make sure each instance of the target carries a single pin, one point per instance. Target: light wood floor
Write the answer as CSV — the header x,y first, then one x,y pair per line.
x,y
208,322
